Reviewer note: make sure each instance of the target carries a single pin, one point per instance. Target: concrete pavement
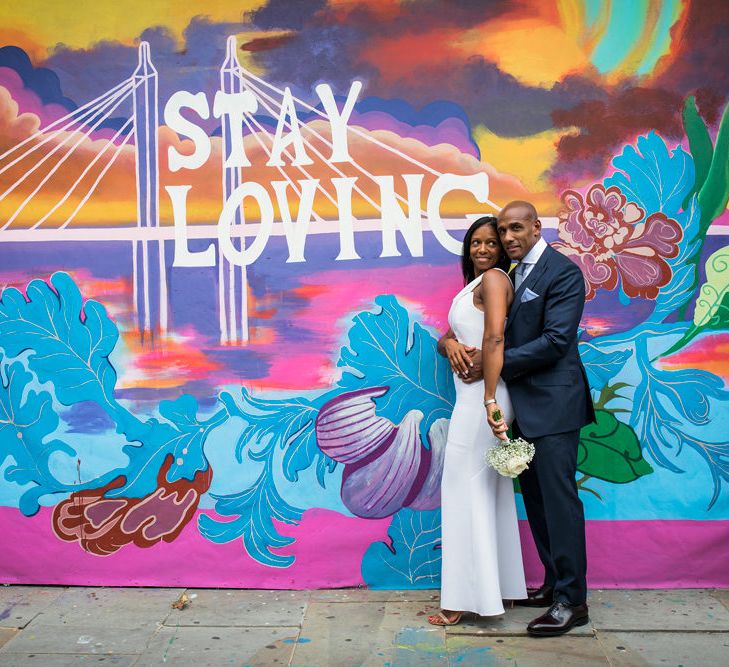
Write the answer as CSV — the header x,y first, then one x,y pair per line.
x,y
43,625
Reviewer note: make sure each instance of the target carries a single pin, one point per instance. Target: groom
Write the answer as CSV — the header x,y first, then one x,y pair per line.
x,y
551,401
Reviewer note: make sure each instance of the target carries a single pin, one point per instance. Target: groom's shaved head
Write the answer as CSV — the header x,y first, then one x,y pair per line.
x,y
519,228
528,208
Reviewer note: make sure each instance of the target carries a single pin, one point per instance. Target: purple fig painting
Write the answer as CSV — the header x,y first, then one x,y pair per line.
x,y
386,467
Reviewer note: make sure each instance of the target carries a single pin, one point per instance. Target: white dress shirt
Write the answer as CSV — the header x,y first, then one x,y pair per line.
x,y
523,268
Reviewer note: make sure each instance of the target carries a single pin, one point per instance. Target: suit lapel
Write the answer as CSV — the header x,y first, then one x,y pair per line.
x,y
539,268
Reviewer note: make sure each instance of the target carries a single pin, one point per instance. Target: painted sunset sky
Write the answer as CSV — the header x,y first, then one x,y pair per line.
x,y
519,90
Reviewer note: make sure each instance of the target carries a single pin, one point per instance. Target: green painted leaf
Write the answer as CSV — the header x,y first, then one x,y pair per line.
x,y
609,450
714,193
712,304
702,149
609,393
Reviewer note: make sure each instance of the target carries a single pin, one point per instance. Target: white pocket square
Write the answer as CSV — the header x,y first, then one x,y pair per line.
x,y
528,295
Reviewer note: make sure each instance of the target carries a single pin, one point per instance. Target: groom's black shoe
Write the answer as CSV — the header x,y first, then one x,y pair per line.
x,y
560,618
541,597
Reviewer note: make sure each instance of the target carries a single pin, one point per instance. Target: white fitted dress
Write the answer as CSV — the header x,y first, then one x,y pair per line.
x,y
482,561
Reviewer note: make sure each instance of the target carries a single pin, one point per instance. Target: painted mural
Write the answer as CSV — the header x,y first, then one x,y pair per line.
x,y
228,247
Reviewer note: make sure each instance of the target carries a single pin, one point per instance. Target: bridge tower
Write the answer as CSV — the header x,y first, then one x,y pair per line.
x,y
232,280
150,306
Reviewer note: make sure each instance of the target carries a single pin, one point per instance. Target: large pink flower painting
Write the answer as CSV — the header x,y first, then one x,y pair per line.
x,y
610,239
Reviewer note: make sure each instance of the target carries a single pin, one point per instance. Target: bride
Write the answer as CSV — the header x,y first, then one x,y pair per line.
x,y
482,562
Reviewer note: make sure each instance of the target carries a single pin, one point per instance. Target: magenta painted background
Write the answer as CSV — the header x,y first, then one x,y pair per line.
x,y
330,548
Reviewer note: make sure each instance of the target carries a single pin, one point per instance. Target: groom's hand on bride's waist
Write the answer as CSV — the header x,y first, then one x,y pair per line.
x,y
475,372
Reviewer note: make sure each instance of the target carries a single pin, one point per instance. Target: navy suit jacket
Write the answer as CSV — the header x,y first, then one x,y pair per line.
x,y
542,368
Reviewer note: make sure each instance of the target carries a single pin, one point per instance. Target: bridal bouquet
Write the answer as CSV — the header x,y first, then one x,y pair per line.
x,y
512,457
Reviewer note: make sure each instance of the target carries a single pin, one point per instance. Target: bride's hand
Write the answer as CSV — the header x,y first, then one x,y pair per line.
x,y
499,427
458,357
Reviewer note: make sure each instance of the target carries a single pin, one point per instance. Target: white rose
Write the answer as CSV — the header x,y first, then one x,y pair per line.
x,y
516,465
509,470
510,459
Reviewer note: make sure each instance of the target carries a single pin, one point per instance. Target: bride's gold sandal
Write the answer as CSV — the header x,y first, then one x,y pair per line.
x,y
441,619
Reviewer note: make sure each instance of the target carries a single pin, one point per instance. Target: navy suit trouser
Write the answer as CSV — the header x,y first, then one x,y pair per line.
x,y
555,513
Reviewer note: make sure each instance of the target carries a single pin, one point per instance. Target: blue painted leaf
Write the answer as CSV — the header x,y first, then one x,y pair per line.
x,y
27,419
254,509
687,391
385,349
685,274
677,293
70,343
601,367
270,423
183,436
287,423
411,559
652,177
659,181
665,407
670,407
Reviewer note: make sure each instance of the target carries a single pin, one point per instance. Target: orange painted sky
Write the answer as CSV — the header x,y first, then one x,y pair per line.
x,y
709,352
114,203
538,44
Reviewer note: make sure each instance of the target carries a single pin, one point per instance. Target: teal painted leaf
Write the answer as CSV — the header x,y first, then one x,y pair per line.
x,y
254,510
27,420
183,436
659,180
70,342
386,349
601,366
652,176
684,278
286,423
669,405
609,450
412,557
